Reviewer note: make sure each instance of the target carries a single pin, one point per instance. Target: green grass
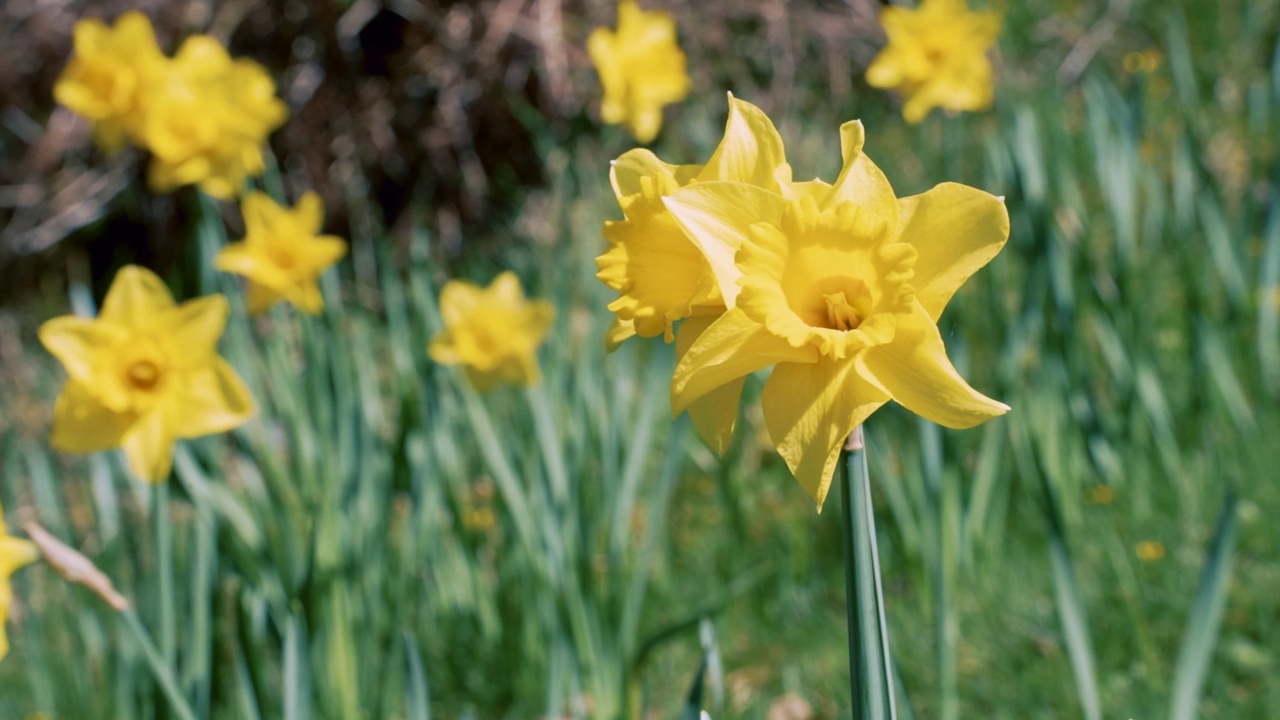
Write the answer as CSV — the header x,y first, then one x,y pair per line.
x,y
322,565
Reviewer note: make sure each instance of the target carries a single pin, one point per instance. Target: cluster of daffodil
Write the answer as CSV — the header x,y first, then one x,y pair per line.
x,y
936,57
202,114
838,287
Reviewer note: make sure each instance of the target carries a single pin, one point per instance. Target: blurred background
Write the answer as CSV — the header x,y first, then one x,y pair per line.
x,y
383,542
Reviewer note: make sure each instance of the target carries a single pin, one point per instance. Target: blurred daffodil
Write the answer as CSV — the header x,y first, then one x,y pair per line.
x,y
641,67
15,553
493,332
110,76
936,57
209,119
144,374
839,289
282,254
661,274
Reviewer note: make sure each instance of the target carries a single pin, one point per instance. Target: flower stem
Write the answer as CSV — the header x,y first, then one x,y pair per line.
x,y
870,666
159,667
164,563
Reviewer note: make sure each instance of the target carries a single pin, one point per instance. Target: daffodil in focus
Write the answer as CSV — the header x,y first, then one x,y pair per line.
x,y
111,75
282,254
839,289
661,274
209,118
936,57
15,553
493,332
641,67
144,374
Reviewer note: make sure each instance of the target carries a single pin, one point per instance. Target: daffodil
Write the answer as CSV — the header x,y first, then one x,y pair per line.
x,y
15,553
936,57
661,274
209,119
282,254
144,374
111,75
641,67
493,332
839,289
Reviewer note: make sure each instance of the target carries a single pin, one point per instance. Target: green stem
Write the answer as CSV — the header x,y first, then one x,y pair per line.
x,y
159,667
870,667
164,562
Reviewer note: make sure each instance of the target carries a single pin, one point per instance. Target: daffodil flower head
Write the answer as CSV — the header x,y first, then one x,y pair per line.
x,y
838,289
144,374
936,57
15,553
209,120
641,67
111,75
282,254
493,332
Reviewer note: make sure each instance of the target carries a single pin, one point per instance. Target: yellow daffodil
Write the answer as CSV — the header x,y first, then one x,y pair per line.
x,y
661,275
936,57
111,75
144,374
493,332
839,288
209,120
641,67
282,254
15,553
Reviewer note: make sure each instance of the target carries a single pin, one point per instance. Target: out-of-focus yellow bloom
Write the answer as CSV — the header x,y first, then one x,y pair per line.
x,y
203,115
15,553
493,332
282,254
936,57
839,288
209,119
109,78
144,374
661,275
1149,551
641,67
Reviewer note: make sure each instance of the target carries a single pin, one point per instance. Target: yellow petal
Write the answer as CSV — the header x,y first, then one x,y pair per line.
x,y
957,230
863,184
192,330
915,371
718,216
259,298
714,414
323,251
810,410
77,343
148,448
626,172
751,150
81,423
15,553
619,332
309,213
136,298
733,347
210,400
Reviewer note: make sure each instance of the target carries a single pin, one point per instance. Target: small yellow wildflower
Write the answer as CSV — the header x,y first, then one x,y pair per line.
x,y
494,332
282,254
209,119
936,57
110,76
1101,495
144,374
839,288
15,553
641,67
1149,551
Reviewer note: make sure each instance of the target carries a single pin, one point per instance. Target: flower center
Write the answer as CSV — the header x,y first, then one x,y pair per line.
x,y
840,314
143,375
282,257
